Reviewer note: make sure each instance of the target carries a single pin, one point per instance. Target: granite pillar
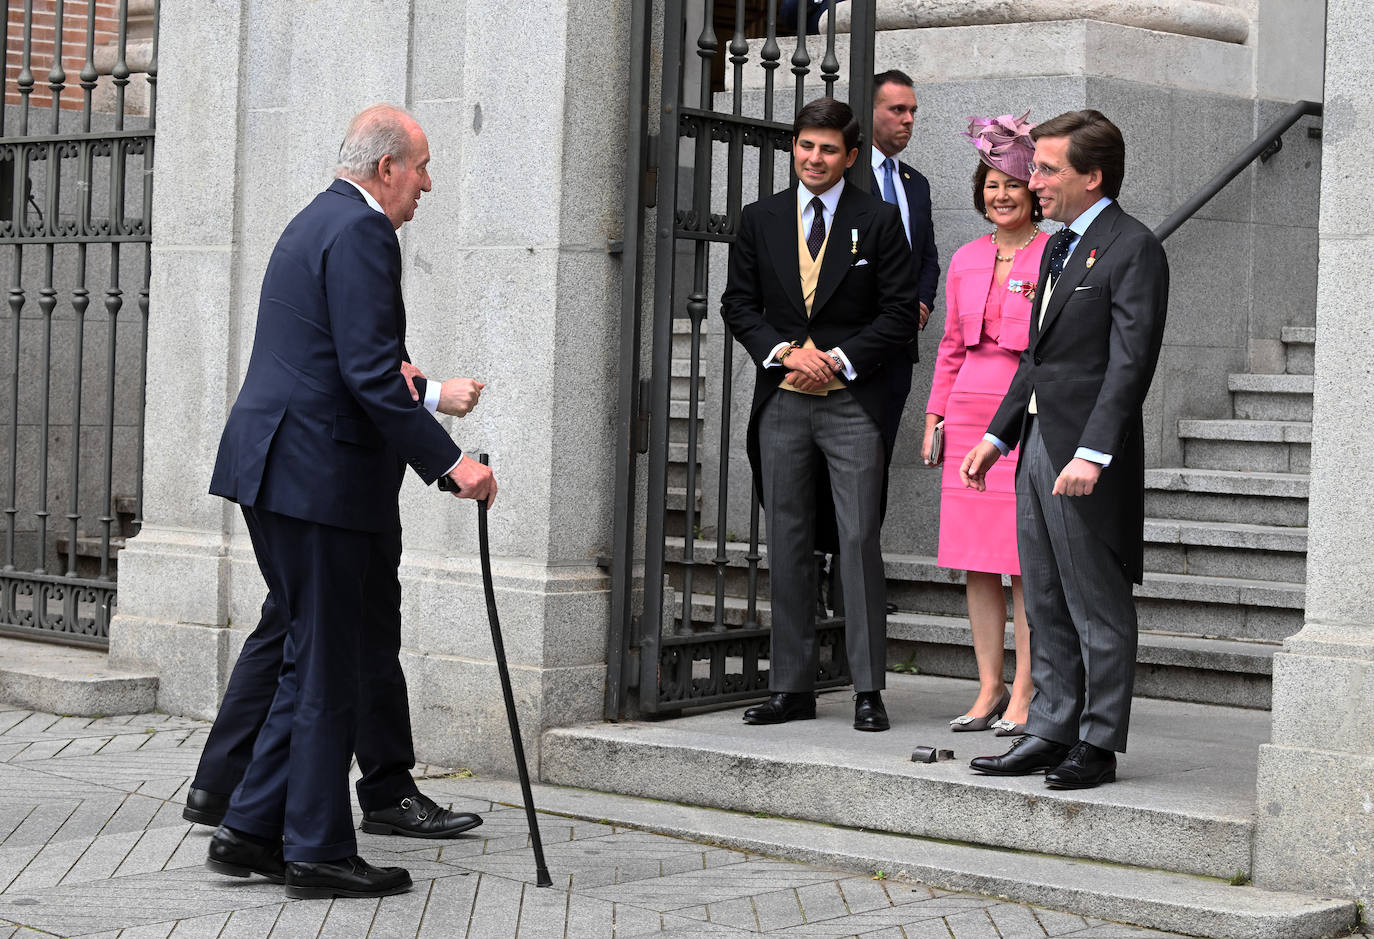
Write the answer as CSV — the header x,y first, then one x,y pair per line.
x,y
1316,779
507,279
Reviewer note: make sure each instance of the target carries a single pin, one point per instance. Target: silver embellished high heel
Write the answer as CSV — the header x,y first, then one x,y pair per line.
x,y
1006,728
967,722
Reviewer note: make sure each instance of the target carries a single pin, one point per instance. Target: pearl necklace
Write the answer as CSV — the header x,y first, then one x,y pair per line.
x,y
1012,256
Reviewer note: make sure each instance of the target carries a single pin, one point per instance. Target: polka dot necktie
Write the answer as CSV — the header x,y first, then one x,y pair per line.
x,y
1059,253
817,236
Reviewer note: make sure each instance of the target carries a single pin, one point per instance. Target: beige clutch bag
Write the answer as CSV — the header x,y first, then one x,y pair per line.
x,y
937,444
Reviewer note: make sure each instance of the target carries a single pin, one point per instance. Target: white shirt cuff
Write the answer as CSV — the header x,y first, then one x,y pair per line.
x,y
772,359
432,391
997,443
848,368
1096,456
453,467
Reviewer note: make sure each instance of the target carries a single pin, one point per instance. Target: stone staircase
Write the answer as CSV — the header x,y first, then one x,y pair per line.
x,y
1225,548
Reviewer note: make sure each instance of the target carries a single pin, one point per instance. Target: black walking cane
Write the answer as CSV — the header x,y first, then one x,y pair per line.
x,y
541,869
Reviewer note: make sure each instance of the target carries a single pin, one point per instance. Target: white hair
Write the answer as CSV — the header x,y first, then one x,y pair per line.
x,y
378,131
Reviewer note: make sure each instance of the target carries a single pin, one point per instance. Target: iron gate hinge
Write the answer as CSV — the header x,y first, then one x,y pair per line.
x,y
649,193
640,433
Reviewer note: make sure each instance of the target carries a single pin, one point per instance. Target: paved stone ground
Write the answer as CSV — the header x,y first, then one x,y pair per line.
x,y
92,843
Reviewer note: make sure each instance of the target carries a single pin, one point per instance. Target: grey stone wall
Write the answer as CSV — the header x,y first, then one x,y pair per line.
x,y
507,279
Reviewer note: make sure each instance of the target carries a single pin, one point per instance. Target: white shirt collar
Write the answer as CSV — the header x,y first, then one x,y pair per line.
x,y
367,196
1080,225
879,159
830,198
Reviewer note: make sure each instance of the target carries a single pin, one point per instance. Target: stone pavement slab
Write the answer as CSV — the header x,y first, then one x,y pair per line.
x,y
92,844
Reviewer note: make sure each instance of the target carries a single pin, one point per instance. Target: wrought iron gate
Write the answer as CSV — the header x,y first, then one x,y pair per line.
x,y
707,136
76,164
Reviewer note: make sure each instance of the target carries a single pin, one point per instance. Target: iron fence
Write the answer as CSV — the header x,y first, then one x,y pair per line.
x,y
689,623
76,164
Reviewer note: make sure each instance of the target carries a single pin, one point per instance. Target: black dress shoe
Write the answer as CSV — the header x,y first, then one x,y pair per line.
x,y
1086,766
418,816
1027,755
783,707
350,877
233,854
205,808
869,713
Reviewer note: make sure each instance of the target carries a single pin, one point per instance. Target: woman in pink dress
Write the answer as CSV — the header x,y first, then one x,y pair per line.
x,y
988,292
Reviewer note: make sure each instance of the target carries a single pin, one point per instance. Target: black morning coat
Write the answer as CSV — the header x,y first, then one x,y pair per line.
x,y
1090,364
865,301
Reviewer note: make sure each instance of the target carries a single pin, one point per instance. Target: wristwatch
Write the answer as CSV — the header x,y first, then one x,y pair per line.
x,y
839,362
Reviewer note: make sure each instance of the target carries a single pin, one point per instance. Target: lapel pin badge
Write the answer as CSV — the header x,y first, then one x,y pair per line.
x,y
1092,258
853,241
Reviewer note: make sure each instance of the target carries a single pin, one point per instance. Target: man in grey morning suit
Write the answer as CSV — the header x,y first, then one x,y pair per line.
x,y
821,293
1075,407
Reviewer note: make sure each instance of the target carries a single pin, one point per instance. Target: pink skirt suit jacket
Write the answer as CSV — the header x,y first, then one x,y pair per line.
x,y
986,329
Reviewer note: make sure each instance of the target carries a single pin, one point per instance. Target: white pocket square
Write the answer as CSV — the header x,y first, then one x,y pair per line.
x,y
861,262
1084,287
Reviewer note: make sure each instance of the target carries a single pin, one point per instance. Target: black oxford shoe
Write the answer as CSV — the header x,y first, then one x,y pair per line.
x,y
869,713
349,877
205,808
783,707
418,816
233,854
1027,755
1086,766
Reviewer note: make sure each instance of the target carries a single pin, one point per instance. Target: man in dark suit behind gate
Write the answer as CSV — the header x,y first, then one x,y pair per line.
x,y
821,294
1074,405
894,115
313,452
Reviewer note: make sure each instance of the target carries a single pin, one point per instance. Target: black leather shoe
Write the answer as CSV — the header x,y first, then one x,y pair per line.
x,y
783,707
233,854
205,808
869,713
350,877
1086,766
1027,755
418,816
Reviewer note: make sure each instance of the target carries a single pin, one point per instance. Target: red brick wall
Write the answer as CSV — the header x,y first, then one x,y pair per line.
x,y
74,23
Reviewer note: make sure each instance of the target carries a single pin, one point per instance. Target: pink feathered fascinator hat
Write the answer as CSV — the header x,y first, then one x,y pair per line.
x,y
1004,143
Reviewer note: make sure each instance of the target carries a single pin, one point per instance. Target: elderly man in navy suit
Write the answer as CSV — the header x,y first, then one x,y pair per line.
x,y
313,453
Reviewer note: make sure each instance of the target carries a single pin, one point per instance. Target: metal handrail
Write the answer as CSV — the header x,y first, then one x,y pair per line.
x,y
1264,146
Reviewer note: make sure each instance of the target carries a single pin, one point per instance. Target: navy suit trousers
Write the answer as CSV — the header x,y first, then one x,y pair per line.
x,y
319,576
384,749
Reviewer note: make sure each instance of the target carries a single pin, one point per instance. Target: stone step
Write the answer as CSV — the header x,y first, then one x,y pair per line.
x,y
1212,495
1181,668
1226,549
1271,397
677,499
1184,799
1177,604
1299,347
58,679
1133,895
1264,446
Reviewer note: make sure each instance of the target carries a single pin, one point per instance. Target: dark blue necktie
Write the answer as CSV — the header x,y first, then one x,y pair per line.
x,y
889,191
1059,253
817,236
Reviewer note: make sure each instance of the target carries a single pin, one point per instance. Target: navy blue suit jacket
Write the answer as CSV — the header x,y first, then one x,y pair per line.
x,y
324,423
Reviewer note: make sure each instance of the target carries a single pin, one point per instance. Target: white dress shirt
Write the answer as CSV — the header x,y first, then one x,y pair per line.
x,y
879,174
829,200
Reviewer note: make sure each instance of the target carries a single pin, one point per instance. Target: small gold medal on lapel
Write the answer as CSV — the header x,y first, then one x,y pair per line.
x,y
1092,258
853,241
